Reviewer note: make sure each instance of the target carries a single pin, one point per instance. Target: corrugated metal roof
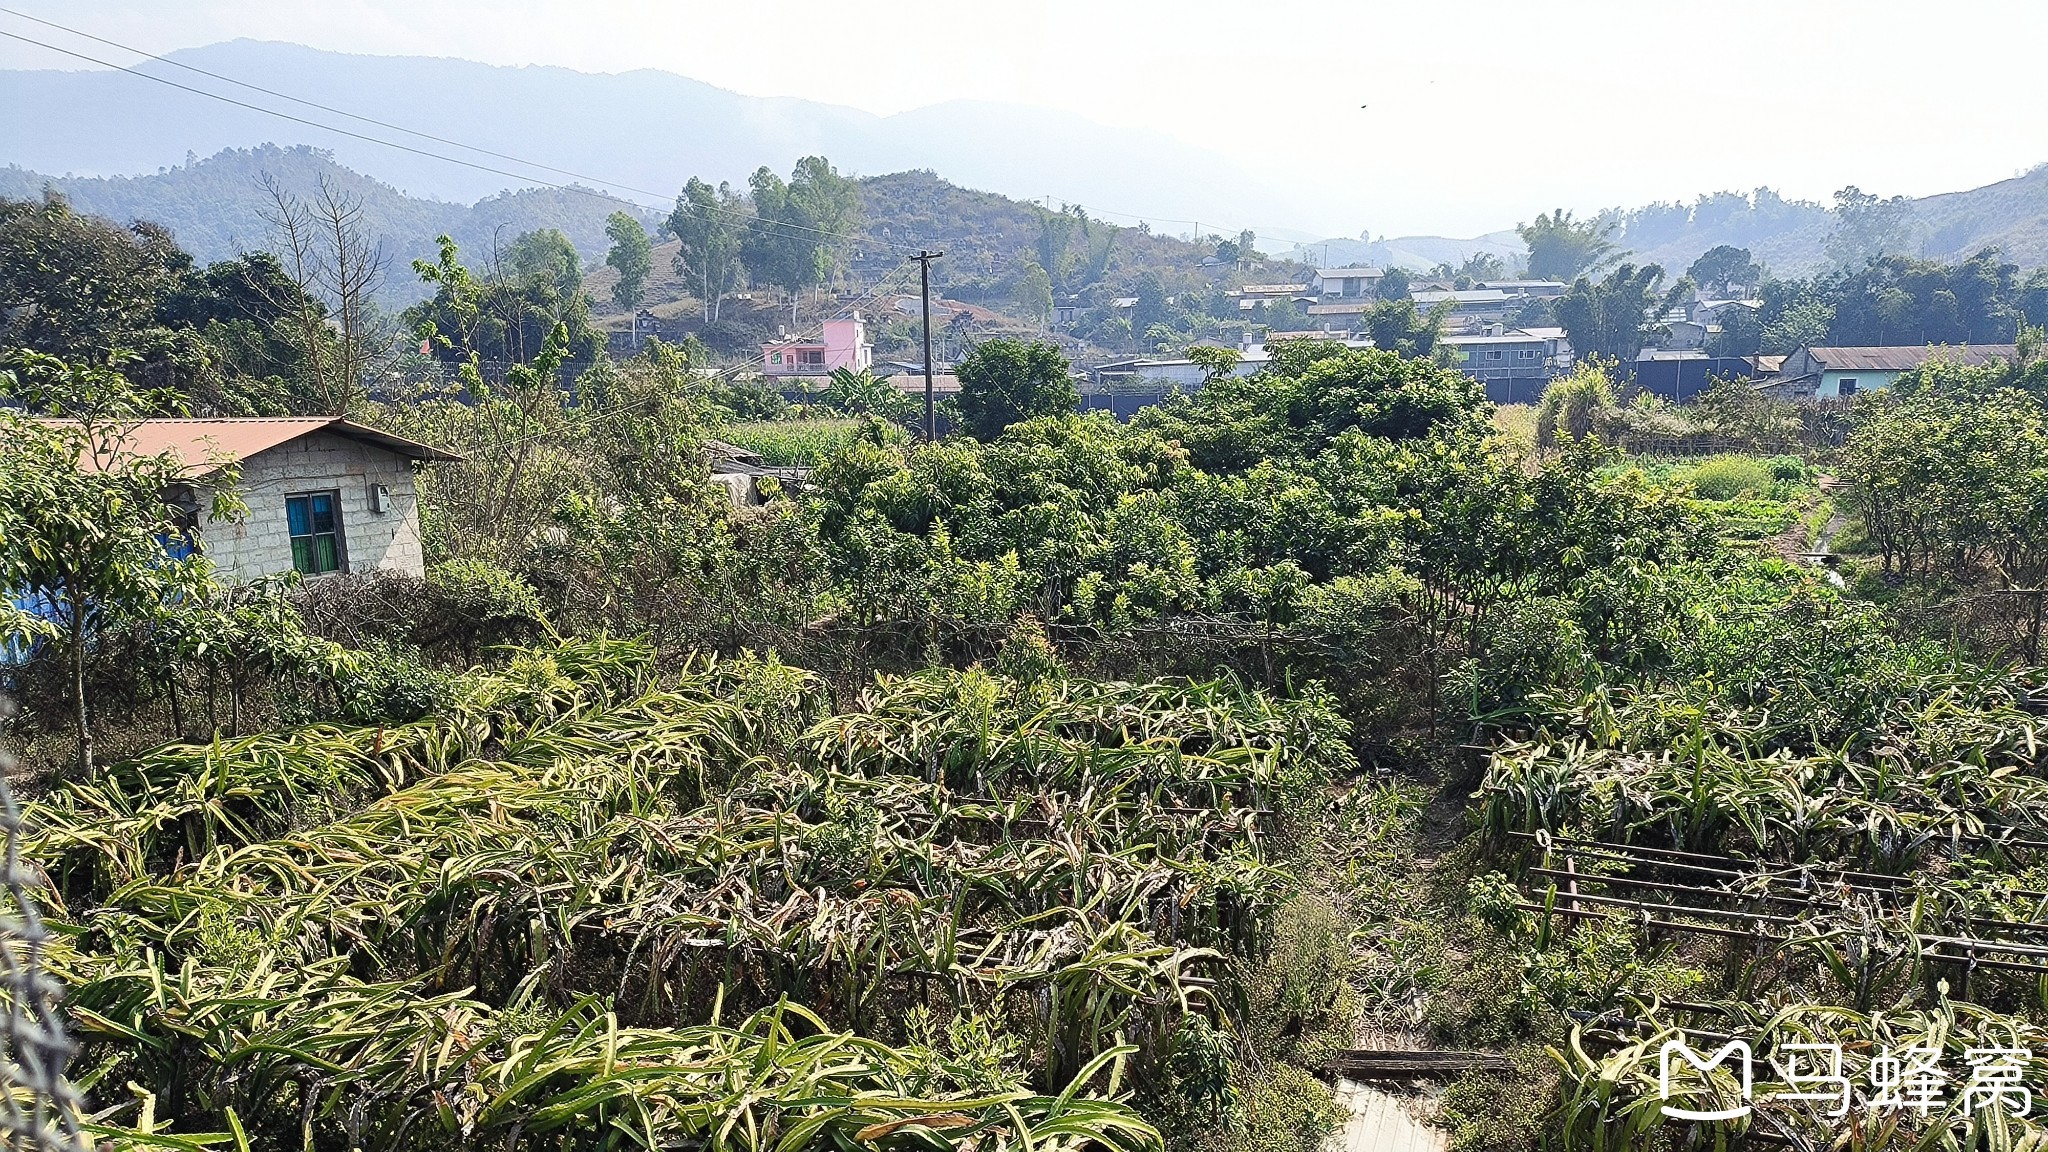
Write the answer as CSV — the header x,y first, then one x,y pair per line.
x,y
914,382
1905,358
201,445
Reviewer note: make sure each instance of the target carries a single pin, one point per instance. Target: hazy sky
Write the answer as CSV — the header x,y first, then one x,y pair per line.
x,y
1478,112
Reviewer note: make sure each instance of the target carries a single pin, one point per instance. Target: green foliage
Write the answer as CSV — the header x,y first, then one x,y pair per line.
x,y
1726,477
1576,406
1725,267
505,319
1946,475
1003,382
547,258
1562,248
1397,326
710,223
631,256
793,240
1033,295
1612,318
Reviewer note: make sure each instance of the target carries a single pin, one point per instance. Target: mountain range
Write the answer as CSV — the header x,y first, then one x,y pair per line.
x,y
128,148
641,133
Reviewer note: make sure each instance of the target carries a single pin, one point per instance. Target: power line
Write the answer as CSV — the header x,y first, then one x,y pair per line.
x,y
662,196
740,217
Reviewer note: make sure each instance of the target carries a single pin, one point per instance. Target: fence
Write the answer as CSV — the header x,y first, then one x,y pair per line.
x,y
38,1107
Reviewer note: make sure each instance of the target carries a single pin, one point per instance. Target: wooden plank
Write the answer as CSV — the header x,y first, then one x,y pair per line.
x,y
1384,1064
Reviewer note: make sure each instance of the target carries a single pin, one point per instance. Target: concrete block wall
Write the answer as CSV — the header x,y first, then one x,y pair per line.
x,y
261,544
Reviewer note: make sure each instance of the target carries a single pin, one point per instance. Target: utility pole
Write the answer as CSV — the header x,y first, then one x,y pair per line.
x,y
924,260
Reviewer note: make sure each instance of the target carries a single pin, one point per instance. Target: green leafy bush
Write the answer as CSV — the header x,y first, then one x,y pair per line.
x,y
1726,477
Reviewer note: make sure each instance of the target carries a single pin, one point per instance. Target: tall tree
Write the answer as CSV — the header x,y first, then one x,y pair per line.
x,y
1612,317
631,256
1724,267
1032,294
1868,226
549,257
78,287
711,223
1399,326
331,259
1562,248
799,225
84,516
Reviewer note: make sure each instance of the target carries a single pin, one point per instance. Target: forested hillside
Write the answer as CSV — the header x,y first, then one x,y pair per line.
x,y
1790,237
217,207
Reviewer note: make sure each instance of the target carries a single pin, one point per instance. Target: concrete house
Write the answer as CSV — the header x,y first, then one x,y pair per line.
x,y
843,344
324,494
1831,373
1349,283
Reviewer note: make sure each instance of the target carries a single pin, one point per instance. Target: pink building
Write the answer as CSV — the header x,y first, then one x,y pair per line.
x,y
844,345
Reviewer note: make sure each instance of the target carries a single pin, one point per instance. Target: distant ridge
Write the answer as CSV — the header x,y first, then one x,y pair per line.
x,y
1789,237
650,129
214,207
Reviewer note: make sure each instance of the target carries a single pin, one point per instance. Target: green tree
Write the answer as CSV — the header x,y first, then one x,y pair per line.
x,y
78,287
1151,307
84,517
1561,248
1399,326
473,319
1741,334
1004,381
863,393
1612,317
1032,294
1725,267
798,225
1868,226
711,224
546,256
1216,363
631,256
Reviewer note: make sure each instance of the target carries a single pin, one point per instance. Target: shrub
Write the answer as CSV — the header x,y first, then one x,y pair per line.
x,y
1786,468
474,603
1726,477
1574,406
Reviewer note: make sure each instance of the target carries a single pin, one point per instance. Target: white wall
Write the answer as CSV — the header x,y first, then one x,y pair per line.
x,y
321,462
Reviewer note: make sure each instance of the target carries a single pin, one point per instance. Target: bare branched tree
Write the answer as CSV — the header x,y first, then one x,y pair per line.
x,y
338,270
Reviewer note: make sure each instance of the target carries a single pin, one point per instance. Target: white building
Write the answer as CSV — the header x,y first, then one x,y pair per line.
x,y
1348,282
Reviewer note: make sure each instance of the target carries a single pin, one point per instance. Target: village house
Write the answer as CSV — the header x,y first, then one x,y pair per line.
x,y
324,494
1348,283
843,343
1830,373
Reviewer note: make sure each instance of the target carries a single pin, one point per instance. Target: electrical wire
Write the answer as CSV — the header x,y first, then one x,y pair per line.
x,y
520,160
739,217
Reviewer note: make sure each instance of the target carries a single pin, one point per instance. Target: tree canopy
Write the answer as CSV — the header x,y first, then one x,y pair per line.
x,y
1005,381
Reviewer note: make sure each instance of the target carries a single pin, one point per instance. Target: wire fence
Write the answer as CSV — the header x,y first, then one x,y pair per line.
x,y
39,1108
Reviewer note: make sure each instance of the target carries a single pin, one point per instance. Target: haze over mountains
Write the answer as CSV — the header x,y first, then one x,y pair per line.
x,y
126,147
646,129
